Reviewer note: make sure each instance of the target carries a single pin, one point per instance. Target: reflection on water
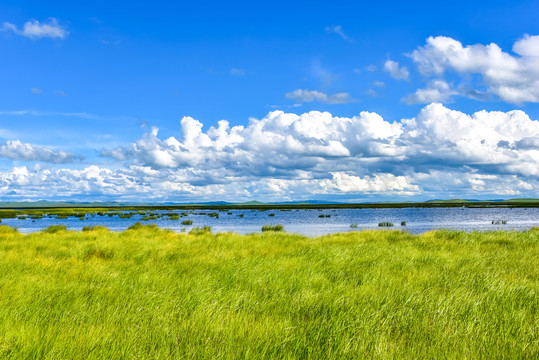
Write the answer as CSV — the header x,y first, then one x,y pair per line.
x,y
308,221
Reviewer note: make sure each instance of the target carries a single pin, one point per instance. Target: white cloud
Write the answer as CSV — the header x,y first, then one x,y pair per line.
x,y
307,95
452,137
514,79
34,29
135,181
396,72
283,144
380,183
436,91
337,29
16,150
36,91
528,46
440,151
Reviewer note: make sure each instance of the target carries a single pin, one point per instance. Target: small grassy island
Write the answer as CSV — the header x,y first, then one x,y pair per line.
x,y
151,293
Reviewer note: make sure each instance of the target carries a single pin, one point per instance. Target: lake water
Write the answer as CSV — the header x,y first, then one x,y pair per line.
x,y
311,222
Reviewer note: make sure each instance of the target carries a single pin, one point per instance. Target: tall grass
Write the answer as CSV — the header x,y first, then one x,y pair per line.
x,y
150,293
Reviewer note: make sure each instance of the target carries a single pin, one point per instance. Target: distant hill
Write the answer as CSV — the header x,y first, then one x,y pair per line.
x,y
523,200
98,204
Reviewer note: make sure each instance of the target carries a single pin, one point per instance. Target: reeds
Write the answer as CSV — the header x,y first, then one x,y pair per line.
x,y
277,227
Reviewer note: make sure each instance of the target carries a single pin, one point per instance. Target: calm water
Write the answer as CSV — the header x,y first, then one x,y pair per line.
x,y
309,222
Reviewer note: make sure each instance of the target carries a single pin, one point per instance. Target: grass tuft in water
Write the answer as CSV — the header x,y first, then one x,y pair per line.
x,y
200,230
55,228
277,227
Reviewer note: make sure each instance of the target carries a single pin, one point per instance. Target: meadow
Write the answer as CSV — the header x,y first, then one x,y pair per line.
x,y
152,293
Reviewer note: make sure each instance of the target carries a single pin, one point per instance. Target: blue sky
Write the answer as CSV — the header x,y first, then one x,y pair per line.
x,y
343,101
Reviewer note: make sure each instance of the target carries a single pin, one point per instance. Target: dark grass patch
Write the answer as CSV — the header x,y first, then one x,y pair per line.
x,y
55,228
277,227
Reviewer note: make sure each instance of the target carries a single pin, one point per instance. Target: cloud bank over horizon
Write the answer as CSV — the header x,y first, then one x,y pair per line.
x,y
287,156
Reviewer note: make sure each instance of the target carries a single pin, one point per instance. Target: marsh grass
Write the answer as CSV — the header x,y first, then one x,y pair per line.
x,y
149,293
200,230
55,228
277,227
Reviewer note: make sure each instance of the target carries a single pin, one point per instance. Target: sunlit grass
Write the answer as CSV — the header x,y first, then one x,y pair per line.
x,y
151,293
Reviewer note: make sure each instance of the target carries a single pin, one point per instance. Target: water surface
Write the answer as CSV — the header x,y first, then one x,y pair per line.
x,y
310,221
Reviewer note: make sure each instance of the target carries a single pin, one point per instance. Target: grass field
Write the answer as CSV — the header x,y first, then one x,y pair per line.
x,y
149,293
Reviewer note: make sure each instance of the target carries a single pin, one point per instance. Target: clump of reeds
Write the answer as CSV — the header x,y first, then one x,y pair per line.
x,y
353,226
55,228
95,228
385,224
187,222
139,226
277,227
499,222
149,217
200,230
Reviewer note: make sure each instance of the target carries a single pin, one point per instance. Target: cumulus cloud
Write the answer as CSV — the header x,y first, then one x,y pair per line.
x,y
36,91
396,72
514,79
453,137
284,145
307,95
298,156
35,30
17,150
436,91
380,183
136,181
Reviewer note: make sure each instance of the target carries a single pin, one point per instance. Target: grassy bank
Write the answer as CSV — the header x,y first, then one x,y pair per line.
x,y
148,293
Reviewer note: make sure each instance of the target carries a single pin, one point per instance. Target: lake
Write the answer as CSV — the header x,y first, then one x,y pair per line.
x,y
309,222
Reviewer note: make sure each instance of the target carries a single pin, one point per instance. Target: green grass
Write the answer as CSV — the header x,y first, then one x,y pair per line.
x,y
277,227
148,293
